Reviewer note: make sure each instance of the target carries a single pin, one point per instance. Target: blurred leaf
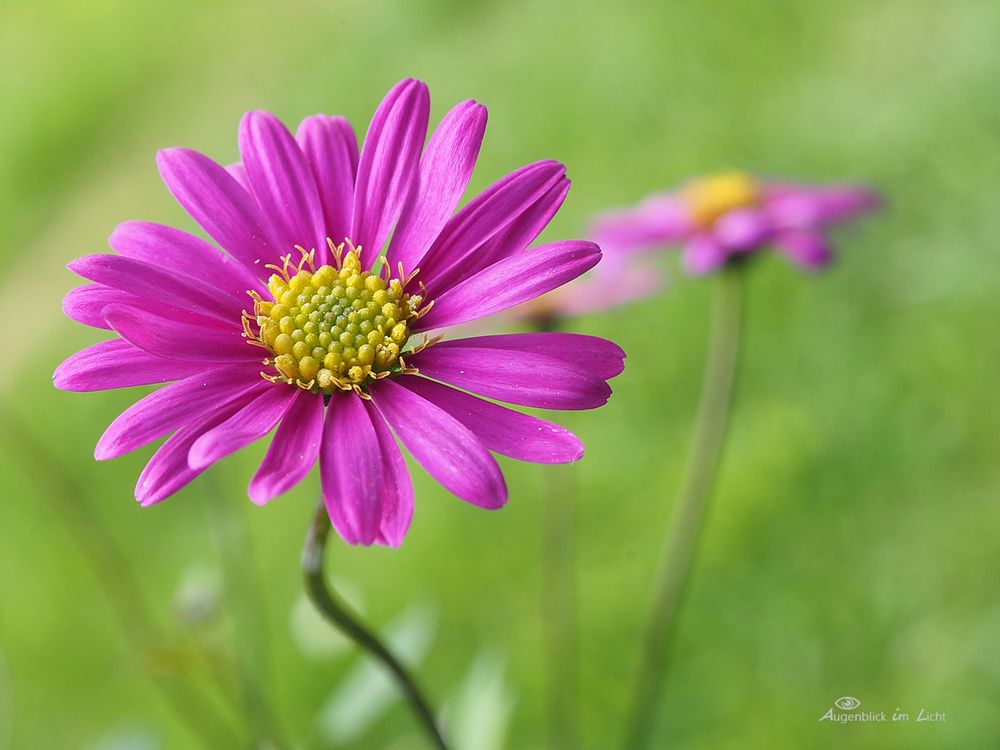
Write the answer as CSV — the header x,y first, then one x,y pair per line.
x,y
128,737
478,714
197,596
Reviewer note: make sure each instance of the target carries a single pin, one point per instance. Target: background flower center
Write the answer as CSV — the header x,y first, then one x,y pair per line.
x,y
710,198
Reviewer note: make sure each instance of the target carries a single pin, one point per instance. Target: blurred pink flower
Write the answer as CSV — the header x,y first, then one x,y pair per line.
x,y
317,342
731,215
613,282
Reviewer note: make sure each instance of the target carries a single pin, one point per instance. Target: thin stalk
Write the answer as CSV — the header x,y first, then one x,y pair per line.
x,y
330,606
559,626
247,612
113,572
689,513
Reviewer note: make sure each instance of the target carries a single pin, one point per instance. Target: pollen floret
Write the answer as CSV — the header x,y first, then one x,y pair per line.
x,y
711,197
336,326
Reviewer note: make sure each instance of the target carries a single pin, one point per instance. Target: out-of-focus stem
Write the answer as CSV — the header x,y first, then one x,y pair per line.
x,y
112,570
246,610
689,513
322,596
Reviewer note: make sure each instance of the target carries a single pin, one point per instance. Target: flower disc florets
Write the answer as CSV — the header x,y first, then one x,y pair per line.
x,y
334,327
710,198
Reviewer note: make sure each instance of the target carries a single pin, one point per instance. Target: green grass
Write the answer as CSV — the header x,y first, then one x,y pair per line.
x,y
851,546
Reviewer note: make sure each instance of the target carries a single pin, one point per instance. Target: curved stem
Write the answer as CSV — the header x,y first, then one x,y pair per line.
x,y
709,431
334,611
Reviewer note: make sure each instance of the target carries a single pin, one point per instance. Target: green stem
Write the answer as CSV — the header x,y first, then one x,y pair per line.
x,y
709,431
333,610
559,610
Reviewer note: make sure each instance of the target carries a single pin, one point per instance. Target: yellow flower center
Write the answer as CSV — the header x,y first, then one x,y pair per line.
x,y
332,327
710,198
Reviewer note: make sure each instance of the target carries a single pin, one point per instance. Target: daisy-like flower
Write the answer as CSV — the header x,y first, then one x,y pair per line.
x,y
315,321
725,217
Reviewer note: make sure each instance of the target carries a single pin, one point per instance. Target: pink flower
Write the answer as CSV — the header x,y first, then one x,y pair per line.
x,y
615,281
727,216
304,325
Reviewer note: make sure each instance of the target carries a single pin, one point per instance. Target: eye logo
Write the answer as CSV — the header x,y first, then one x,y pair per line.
x,y
847,703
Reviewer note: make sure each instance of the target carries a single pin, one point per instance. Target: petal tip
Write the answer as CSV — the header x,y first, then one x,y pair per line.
x,y
145,501
199,457
79,265
256,117
259,494
166,156
390,542
60,379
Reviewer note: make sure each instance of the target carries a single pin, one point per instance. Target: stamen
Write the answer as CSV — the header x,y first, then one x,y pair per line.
x,y
335,327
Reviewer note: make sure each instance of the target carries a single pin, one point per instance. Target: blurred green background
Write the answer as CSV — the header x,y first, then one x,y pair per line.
x,y
852,543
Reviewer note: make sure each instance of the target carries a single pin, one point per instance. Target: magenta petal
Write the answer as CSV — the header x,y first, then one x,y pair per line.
x,y
293,450
808,249
239,173
397,500
175,339
221,206
85,304
510,240
351,470
168,470
806,207
520,233
510,282
281,182
703,254
445,169
846,202
515,377
742,230
155,283
331,150
658,220
445,447
592,354
486,215
503,430
250,423
601,290
182,252
175,405
118,364
388,165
